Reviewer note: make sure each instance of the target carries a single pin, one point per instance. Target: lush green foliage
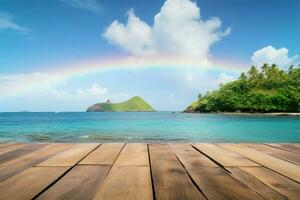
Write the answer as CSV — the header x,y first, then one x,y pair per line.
x,y
135,104
269,89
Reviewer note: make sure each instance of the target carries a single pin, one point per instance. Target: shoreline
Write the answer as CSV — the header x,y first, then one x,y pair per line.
x,y
248,113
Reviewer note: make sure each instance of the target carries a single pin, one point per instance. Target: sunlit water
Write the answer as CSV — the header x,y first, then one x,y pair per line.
x,y
146,127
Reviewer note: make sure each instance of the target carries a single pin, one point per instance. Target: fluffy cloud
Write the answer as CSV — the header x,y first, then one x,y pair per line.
x,y
224,78
95,90
91,5
134,37
7,23
271,55
14,83
206,80
178,29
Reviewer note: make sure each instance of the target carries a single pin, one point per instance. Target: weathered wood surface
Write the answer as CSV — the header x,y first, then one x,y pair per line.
x,y
126,182
12,167
223,156
9,148
276,152
3,145
133,155
149,171
289,147
106,154
251,181
170,179
129,177
30,182
80,183
276,181
71,156
283,167
17,151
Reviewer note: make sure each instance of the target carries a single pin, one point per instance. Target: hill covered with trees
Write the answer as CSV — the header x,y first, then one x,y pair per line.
x,y
268,89
135,104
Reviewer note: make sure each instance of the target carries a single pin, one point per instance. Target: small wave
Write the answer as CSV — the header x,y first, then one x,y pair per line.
x,y
95,137
125,138
40,138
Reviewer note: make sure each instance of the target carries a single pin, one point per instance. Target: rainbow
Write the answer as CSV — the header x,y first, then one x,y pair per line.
x,y
125,63
62,73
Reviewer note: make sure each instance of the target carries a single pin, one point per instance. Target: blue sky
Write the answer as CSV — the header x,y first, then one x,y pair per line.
x,y
38,39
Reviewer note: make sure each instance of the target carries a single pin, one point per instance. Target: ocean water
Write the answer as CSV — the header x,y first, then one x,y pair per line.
x,y
146,127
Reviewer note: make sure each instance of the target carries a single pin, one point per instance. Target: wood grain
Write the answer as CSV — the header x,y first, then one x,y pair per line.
x,y
21,163
276,181
283,167
71,156
210,178
224,157
4,145
19,151
105,154
276,152
289,147
29,183
9,148
262,189
175,171
126,183
193,158
171,181
80,183
133,154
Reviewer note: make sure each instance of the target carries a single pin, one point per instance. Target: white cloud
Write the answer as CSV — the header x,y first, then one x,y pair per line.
x,y
271,55
178,29
224,78
14,83
91,5
204,80
7,23
134,37
95,90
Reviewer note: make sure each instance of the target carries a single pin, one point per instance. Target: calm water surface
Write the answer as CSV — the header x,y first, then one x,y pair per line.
x,y
146,127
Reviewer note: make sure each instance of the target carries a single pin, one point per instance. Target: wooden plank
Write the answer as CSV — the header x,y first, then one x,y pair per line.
x,y
129,177
106,154
289,147
276,152
262,189
19,151
126,183
10,148
218,184
283,167
210,178
80,183
224,157
71,156
170,179
279,183
30,182
19,164
3,145
133,154
193,158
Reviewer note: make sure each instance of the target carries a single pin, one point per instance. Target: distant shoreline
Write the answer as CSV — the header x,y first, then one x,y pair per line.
x,y
248,113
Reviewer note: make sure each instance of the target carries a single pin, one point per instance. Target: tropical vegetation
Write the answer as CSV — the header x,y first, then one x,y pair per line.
x,y
268,89
135,104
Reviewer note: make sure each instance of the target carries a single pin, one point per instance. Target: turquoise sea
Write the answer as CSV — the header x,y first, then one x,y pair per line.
x,y
146,127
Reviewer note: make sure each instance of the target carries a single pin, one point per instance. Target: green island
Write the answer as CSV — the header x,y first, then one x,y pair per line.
x,y
267,90
135,104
